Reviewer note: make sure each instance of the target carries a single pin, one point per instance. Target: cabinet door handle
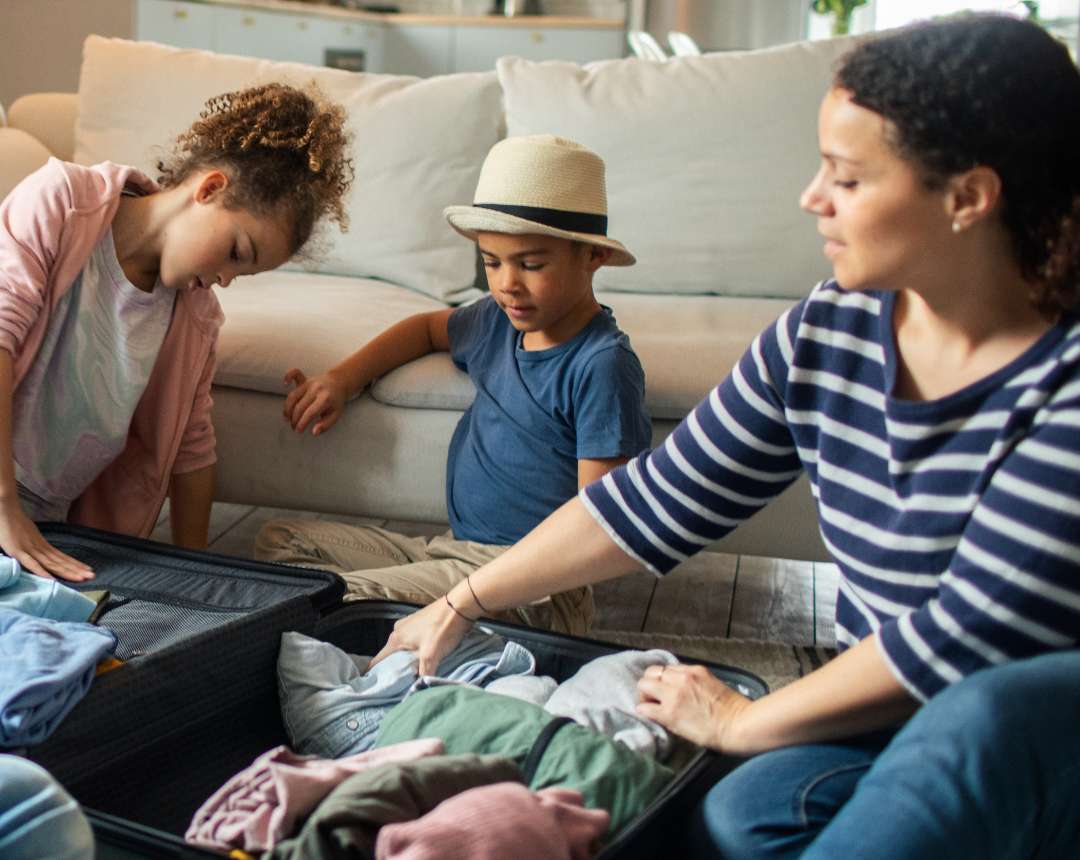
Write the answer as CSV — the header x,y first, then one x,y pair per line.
x,y
302,25
180,14
536,38
248,21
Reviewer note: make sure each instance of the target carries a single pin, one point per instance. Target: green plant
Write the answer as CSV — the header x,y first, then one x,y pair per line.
x,y
841,10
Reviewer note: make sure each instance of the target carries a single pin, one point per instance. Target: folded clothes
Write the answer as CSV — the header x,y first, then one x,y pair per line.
x,y
41,597
332,704
345,826
494,822
262,804
46,667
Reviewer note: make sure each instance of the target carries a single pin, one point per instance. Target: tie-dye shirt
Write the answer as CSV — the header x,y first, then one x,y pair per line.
x,y
87,378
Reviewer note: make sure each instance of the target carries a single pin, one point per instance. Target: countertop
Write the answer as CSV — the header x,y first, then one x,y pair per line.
x,y
324,10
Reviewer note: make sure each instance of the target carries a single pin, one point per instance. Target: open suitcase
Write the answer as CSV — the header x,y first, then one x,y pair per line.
x,y
196,699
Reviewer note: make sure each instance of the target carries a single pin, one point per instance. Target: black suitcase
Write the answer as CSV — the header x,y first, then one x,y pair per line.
x,y
196,700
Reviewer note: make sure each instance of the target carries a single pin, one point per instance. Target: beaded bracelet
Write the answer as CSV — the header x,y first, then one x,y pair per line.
x,y
446,597
474,597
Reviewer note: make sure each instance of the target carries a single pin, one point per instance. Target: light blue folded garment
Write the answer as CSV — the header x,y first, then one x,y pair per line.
x,y
40,597
38,818
46,667
332,705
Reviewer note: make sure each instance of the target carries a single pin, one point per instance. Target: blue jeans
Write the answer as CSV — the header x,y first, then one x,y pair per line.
x,y
989,767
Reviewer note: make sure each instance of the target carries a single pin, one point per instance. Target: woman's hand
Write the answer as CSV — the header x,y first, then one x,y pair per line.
x,y
431,633
321,397
693,703
21,540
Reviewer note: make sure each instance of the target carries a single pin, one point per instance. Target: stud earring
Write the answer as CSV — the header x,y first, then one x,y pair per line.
x,y
956,226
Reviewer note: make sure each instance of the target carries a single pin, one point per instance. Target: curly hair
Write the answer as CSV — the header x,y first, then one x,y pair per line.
x,y
284,149
995,91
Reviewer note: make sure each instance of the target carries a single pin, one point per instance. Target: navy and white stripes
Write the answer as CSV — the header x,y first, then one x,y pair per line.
x,y
955,522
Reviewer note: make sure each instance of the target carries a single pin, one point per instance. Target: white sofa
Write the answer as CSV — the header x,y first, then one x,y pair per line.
x,y
706,157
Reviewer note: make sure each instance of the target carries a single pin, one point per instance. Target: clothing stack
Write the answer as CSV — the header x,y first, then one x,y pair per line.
x,y
48,657
48,653
483,759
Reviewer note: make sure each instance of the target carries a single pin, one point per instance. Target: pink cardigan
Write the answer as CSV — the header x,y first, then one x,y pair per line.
x,y
49,224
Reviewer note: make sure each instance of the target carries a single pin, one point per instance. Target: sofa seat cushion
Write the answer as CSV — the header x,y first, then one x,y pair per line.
x,y
688,344
278,320
282,319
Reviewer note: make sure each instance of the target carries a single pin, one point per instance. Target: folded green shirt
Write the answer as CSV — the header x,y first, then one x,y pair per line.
x,y
608,774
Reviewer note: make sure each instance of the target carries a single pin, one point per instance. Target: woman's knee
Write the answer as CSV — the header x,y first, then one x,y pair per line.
x,y
772,805
38,818
1007,702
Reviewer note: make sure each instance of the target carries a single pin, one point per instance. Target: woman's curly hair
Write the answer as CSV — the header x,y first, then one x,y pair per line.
x,y
284,149
995,91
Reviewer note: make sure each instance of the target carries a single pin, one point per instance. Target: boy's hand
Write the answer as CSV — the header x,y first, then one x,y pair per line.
x,y
321,397
20,539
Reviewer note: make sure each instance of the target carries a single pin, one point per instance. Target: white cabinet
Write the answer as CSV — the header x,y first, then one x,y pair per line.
x,y
477,48
269,35
353,45
182,25
418,49
371,45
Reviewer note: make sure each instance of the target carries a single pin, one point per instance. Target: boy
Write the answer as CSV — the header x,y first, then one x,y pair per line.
x,y
559,392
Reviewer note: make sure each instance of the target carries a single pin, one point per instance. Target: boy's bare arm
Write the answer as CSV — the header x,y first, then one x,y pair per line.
x,y
592,470
322,398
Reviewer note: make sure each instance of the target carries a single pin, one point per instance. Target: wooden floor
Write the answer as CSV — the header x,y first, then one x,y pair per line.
x,y
709,595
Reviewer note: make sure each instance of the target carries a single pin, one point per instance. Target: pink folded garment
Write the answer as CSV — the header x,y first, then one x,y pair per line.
x,y
262,804
495,822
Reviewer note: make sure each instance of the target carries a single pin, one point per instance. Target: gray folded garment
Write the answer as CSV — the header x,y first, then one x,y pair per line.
x,y
345,825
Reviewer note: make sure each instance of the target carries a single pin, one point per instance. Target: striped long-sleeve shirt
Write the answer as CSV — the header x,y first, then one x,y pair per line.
x,y
955,522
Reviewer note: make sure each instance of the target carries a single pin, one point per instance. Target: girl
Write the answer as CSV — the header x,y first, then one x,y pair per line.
x,y
108,324
932,393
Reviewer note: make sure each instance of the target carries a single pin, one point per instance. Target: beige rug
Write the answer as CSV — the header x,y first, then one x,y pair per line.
x,y
775,663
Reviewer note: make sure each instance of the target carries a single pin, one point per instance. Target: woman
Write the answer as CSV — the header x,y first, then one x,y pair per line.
x,y
932,393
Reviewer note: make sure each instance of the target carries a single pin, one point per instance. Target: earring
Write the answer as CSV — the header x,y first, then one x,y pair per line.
x,y
956,228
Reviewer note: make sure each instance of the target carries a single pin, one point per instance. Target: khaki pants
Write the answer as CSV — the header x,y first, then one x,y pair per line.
x,y
380,564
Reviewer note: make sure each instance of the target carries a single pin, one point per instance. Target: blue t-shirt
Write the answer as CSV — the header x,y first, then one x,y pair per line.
x,y
513,457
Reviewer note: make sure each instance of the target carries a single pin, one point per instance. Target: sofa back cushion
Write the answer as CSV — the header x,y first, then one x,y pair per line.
x,y
706,157
418,146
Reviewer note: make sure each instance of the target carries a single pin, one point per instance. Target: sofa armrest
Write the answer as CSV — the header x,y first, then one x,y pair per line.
x,y
20,155
50,117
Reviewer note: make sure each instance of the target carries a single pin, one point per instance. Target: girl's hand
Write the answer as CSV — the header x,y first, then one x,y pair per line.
x,y
693,703
431,632
20,539
321,397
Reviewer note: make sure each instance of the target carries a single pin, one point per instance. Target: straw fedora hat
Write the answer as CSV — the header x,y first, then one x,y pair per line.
x,y
541,184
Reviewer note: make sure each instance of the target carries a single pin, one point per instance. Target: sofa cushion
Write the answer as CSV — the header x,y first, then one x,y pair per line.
x,y
20,155
705,155
688,344
418,146
279,320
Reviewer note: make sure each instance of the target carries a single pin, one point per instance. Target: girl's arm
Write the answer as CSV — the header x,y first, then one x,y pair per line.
x,y
191,496
19,537
322,398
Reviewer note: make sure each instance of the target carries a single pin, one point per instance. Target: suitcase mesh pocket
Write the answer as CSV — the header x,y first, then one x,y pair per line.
x,y
143,627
